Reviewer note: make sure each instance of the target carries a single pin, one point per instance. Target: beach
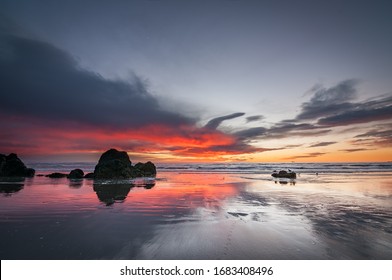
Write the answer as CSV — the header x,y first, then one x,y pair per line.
x,y
198,212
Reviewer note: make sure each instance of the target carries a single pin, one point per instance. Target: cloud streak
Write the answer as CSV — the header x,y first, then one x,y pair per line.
x,y
216,122
309,155
354,150
250,133
329,101
374,137
363,113
254,118
322,144
329,108
335,106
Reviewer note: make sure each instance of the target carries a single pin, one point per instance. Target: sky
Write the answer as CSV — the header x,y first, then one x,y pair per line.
x,y
196,81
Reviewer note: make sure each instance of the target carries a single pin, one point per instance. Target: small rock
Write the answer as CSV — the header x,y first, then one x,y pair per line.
x,y
147,169
56,175
284,174
76,174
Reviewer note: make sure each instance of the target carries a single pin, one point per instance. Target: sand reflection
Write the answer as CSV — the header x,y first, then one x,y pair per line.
x,y
265,220
199,216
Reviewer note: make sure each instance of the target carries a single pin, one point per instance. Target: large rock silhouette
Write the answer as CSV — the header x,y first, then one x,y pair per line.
x,y
12,166
115,164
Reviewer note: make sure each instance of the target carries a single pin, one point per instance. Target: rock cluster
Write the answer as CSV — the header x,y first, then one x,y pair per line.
x,y
74,174
12,166
112,164
115,164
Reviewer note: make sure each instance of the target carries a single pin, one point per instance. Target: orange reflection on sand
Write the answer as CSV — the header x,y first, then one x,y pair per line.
x,y
171,193
185,191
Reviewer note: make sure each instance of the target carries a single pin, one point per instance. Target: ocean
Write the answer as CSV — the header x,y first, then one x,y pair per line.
x,y
201,211
257,168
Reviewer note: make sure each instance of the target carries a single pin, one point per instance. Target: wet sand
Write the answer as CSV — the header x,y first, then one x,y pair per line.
x,y
200,216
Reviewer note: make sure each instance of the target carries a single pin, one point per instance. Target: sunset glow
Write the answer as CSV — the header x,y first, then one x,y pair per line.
x,y
261,87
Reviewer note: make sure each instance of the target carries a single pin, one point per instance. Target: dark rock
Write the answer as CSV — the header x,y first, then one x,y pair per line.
x,y
12,166
113,154
30,172
89,175
136,172
56,175
284,174
113,164
139,165
76,174
2,163
147,169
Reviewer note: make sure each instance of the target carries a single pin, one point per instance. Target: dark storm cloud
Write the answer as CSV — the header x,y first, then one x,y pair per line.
x,y
214,123
322,144
254,118
39,80
328,101
42,86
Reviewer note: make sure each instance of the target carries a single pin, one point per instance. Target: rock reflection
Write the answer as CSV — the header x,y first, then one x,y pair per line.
x,y
75,183
112,193
285,182
147,183
149,186
9,186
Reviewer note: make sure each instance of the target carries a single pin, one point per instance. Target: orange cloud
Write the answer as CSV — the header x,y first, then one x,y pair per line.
x,y
185,141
